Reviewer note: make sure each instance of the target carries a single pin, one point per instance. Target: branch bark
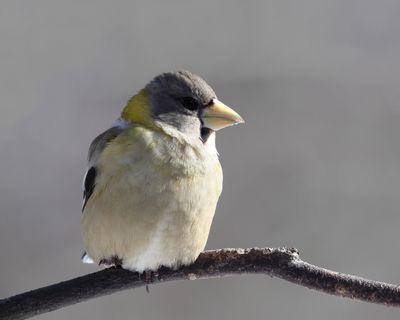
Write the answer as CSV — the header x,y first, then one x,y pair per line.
x,y
280,262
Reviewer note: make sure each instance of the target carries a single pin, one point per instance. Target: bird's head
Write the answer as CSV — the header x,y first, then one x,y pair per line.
x,y
182,100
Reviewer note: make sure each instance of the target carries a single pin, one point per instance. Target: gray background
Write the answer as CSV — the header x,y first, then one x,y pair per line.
x,y
315,166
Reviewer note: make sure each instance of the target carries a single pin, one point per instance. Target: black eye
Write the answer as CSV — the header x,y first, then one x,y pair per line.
x,y
190,103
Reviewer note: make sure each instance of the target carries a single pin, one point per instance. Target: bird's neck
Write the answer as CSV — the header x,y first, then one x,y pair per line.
x,y
137,110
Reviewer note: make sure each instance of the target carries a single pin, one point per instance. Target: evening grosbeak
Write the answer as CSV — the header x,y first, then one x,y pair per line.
x,y
154,178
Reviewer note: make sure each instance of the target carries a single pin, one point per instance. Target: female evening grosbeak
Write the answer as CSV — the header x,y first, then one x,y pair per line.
x,y
154,179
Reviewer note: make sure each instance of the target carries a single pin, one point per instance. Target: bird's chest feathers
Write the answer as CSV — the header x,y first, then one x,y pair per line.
x,y
146,163
155,197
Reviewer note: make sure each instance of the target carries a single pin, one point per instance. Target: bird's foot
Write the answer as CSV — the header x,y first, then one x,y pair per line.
x,y
113,261
149,277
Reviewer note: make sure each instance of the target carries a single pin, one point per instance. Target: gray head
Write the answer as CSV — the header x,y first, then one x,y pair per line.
x,y
186,102
175,87
177,99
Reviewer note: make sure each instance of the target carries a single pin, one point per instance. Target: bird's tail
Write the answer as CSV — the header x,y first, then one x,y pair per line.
x,y
86,259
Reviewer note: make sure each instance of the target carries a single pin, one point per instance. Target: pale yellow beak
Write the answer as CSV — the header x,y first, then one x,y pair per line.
x,y
218,115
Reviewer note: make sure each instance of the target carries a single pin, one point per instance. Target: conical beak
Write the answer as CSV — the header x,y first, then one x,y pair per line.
x,y
218,115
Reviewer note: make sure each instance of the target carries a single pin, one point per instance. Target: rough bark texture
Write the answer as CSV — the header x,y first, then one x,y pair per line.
x,y
281,262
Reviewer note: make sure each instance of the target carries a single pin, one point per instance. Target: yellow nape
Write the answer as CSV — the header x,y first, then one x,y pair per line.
x,y
138,109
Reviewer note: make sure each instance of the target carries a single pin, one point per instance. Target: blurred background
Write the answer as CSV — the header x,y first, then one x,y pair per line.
x,y
316,166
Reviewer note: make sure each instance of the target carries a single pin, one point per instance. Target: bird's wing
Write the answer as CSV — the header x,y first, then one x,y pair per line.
x,y
95,150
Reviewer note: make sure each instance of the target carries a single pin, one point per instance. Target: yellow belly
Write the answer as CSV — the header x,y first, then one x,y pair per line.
x,y
147,212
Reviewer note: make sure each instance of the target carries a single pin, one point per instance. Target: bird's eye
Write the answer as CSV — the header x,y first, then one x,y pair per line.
x,y
190,103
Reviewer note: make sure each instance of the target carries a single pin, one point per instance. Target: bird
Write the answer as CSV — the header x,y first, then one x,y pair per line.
x,y
154,178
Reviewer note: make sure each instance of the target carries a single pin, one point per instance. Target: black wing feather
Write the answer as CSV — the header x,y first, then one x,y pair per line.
x,y
96,148
89,182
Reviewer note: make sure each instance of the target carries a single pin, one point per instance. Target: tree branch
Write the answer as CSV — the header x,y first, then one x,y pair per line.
x,y
281,262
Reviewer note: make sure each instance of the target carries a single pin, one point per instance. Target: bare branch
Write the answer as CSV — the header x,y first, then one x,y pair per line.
x,y
283,263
